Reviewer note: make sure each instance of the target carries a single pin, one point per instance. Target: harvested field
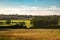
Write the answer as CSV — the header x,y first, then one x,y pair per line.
x,y
30,34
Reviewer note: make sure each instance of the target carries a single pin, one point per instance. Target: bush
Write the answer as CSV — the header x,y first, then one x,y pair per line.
x,y
8,21
20,25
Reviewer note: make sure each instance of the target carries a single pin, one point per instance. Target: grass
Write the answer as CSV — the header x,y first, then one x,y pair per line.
x,y
30,34
26,21
7,24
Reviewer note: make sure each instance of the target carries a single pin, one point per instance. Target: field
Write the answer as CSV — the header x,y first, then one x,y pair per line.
x,y
26,21
30,34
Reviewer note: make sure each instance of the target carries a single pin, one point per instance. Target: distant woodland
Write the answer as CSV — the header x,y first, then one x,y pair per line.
x,y
52,21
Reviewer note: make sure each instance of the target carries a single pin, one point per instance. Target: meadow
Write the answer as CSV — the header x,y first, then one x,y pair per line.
x,y
13,22
27,22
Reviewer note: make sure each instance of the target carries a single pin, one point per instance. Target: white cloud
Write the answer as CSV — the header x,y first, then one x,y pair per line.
x,y
25,10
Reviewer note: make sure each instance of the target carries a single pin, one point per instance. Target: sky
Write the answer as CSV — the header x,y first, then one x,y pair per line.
x,y
30,7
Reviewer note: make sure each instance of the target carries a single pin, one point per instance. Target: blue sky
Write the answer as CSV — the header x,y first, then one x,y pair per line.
x,y
30,7
38,3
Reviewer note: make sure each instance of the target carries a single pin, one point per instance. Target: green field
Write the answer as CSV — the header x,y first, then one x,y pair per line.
x,y
26,21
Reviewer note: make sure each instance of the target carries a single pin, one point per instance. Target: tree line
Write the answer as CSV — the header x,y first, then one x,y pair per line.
x,y
44,22
38,22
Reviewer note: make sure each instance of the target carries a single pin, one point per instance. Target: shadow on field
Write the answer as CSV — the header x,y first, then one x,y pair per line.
x,y
12,27
24,27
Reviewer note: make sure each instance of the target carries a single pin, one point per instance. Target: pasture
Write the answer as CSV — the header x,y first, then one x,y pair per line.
x,y
13,22
30,34
26,21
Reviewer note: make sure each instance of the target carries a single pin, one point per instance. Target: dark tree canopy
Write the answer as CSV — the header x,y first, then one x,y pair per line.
x,y
8,21
20,25
44,21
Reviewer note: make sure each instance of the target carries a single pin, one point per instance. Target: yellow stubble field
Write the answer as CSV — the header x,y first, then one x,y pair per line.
x,y
30,34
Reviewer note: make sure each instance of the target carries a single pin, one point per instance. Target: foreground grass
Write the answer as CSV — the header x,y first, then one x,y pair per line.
x,y
30,34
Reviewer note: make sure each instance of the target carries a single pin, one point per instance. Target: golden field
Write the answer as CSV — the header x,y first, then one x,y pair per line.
x,y
30,34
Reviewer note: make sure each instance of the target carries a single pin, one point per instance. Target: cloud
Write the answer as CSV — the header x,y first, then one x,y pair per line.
x,y
26,10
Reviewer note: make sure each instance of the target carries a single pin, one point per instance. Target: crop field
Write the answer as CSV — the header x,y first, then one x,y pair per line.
x,y
30,34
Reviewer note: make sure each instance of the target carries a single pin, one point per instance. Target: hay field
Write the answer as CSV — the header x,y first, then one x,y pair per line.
x,y
30,34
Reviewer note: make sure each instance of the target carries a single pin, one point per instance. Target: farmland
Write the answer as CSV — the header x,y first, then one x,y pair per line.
x,y
41,20
30,34
26,21
13,22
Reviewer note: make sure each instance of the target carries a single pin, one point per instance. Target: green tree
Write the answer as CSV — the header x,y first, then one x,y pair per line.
x,y
44,21
37,22
23,24
8,21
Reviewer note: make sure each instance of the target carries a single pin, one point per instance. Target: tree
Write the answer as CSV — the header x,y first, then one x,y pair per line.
x,y
37,22
23,24
8,21
20,25
44,22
